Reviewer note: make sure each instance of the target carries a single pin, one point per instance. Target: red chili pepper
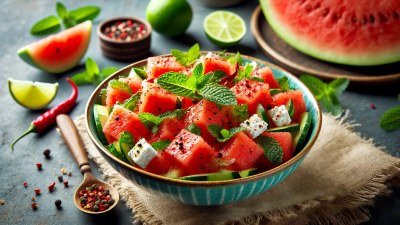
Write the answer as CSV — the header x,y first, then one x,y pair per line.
x,y
40,124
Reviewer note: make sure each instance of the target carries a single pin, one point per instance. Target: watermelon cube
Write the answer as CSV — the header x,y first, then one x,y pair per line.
x,y
243,150
158,65
122,119
266,74
156,100
285,141
134,83
203,114
194,154
114,96
252,93
298,102
162,163
168,129
212,64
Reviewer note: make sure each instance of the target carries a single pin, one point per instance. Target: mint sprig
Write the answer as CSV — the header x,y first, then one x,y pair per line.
x,y
51,24
390,120
218,94
245,73
272,150
92,74
284,84
119,85
178,84
327,93
222,134
187,58
160,145
152,122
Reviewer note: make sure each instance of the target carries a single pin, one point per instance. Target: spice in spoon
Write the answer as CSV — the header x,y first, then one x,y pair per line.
x,y
95,198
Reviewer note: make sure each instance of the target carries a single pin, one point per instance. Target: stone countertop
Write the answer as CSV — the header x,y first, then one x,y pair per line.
x,y
18,16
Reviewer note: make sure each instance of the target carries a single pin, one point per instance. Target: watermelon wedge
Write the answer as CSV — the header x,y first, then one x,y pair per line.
x,y
60,52
351,32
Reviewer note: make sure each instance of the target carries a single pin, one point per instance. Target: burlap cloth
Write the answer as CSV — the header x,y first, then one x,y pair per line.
x,y
341,175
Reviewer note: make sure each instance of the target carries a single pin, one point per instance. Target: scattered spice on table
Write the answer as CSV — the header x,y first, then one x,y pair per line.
x,y
66,183
25,184
63,170
39,166
372,105
2,201
69,174
95,198
58,203
128,30
37,191
33,198
60,178
46,153
52,186
34,205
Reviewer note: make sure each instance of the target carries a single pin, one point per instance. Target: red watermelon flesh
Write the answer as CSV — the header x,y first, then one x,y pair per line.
x,y
134,83
285,141
162,163
243,150
158,65
252,93
168,129
298,102
266,74
60,52
114,96
122,119
213,64
193,153
156,100
353,32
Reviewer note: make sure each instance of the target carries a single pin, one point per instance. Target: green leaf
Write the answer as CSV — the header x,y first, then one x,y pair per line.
x,y
107,71
178,113
284,83
82,78
84,13
237,59
390,120
69,22
131,102
272,150
177,83
91,67
187,58
194,129
61,10
245,73
139,72
160,145
339,85
316,86
257,79
331,103
119,85
222,134
290,107
149,120
45,26
211,77
126,138
218,94
240,112
275,91
194,53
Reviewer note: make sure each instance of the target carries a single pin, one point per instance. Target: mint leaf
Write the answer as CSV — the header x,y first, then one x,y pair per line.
x,y
256,79
131,102
218,94
194,129
290,107
390,120
326,94
82,78
61,10
272,150
149,120
177,83
284,83
116,84
245,73
237,59
91,67
222,134
211,77
187,58
45,26
84,13
126,138
160,145
275,91
138,72
240,112
178,113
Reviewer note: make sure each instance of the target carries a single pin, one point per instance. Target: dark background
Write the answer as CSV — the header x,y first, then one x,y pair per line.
x,y
17,17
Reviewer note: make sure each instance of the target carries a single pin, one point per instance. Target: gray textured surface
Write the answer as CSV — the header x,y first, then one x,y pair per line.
x,y
17,16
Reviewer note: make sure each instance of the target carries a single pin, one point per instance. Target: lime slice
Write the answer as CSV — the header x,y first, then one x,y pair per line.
x,y
32,95
224,28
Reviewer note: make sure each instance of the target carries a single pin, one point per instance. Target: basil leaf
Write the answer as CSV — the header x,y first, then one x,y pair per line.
x,y
91,67
61,10
272,150
390,120
218,94
177,83
47,25
84,13
194,129
116,84
160,145
82,78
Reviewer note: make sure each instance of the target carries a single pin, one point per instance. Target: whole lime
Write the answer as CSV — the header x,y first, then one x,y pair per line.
x,y
169,17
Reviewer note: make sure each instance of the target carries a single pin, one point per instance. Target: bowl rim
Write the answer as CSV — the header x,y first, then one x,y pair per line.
x,y
121,18
302,153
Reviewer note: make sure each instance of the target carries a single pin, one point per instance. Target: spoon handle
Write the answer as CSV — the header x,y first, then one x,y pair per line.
x,y
73,141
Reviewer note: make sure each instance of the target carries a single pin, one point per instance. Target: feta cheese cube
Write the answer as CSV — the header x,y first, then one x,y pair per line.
x,y
254,126
280,115
142,153
254,65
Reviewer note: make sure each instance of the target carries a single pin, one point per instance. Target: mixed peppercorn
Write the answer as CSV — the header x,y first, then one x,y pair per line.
x,y
95,198
128,30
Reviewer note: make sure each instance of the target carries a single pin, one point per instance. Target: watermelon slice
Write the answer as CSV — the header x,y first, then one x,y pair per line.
x,y
61,52
352,32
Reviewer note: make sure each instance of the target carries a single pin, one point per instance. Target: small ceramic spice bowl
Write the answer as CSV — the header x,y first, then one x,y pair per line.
x,y
124,38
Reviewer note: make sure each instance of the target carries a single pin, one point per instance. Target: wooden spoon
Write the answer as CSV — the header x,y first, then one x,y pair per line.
x,y
75,146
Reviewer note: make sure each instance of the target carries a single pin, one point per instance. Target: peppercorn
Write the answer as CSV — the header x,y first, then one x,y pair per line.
x,y
34,205
37,191
25,184
65,183
39,166
46,153
58,203
60,178
95,198
51,186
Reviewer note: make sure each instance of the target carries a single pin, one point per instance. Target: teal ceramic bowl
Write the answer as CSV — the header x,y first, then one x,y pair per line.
x,y
207,193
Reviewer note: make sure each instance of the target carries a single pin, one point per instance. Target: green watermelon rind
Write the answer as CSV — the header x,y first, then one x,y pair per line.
x,y
27,56
323,54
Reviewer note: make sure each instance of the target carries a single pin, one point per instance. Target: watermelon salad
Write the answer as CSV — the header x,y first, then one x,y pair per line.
x,y
218,117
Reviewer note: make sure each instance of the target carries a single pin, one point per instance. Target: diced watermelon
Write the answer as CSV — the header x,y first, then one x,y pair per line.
x,y
156,100
266,74
134,83
158,65
114,96
243,150
285,141
213,64
162,163
298,102
187,102
203,114
122,119
235,115
168,129
252,93
193,153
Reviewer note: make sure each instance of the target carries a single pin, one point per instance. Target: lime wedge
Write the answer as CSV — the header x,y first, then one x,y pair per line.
x,y
32,95
224,28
